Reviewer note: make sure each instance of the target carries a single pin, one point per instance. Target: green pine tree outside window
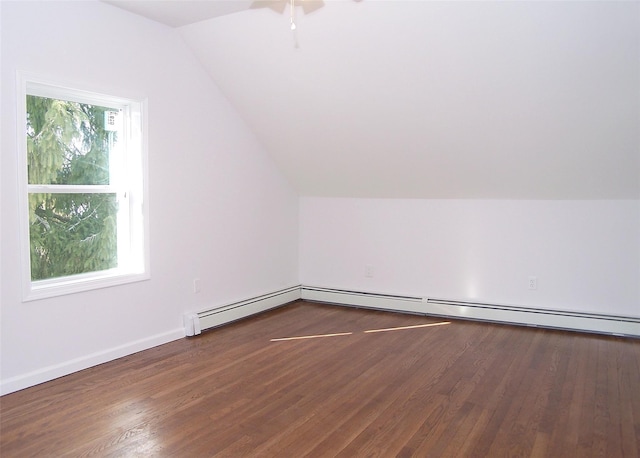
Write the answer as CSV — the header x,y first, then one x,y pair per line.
x,y
68,144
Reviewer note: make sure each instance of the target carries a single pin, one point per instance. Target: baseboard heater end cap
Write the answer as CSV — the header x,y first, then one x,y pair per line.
x,y
191,324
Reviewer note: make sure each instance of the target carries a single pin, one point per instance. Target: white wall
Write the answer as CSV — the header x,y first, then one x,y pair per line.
x,y
585,254
219,208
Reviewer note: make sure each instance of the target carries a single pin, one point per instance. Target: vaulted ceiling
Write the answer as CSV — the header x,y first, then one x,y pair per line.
x,y
431,99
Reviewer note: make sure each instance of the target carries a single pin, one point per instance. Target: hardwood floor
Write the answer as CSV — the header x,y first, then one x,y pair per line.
x,y
461,389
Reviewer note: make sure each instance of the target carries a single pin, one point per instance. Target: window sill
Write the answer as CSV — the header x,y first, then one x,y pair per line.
x,y
54,287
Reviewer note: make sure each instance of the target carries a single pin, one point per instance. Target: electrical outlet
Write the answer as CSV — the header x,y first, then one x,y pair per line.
x,y
533,283
196,285
368,271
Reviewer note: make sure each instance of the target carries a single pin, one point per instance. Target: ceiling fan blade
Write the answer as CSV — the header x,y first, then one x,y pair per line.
x,y
309,6
276,5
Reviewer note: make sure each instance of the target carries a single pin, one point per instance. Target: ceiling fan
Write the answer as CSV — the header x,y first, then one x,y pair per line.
x,y
308,6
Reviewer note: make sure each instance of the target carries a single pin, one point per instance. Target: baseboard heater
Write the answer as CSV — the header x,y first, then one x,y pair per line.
x,y
544,318
196,322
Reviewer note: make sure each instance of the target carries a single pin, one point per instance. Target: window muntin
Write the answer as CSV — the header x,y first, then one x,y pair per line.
x,y
84,185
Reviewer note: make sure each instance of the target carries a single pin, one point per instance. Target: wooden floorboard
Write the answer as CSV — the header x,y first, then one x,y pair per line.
x,y
337,389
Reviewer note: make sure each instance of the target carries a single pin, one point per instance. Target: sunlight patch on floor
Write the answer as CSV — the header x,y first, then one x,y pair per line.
x,y
282,339
408,327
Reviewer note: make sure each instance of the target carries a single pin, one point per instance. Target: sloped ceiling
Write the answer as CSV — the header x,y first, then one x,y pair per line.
x,y
438,99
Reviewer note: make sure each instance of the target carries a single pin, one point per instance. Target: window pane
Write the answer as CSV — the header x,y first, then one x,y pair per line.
x,y
69,142
72,234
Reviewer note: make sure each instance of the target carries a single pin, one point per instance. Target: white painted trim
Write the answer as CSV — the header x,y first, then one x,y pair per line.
x,y
84,362
218,316
136,265
554,319
410,304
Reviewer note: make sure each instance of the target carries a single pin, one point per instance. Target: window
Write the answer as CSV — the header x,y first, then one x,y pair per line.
x,y
83,190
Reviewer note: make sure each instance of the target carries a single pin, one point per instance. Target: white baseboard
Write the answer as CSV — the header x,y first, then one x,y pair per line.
x,y
59,370
214,317
554,319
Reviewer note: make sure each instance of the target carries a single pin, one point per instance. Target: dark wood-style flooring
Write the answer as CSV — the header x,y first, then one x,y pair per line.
x,y
425,389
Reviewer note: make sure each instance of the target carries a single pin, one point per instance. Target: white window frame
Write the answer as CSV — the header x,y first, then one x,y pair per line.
x,y
130,184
